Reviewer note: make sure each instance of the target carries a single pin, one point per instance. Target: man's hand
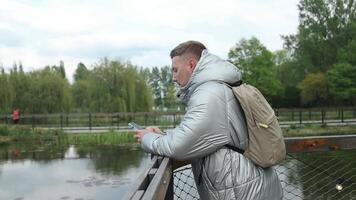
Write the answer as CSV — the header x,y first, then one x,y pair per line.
x,y
139,133
154,129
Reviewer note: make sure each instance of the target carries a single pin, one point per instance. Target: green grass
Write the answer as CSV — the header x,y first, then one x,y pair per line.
x,y
109,138
318,130
38,136
25,135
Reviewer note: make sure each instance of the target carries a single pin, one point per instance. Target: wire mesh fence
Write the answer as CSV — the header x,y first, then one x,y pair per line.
x,y
184,185
311,176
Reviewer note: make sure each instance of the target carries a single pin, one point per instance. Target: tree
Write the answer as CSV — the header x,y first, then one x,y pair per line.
x,y
6,92
20,84
81,73
155,82
325,28
347,54
314,90
81,96
170,97
113,86
49,92
341,79
257,66
62,69
167,85
289,75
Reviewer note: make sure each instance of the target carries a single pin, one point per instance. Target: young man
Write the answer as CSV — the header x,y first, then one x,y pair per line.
x,y
213,119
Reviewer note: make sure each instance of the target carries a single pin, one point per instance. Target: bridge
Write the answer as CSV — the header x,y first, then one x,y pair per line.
x,y
315,168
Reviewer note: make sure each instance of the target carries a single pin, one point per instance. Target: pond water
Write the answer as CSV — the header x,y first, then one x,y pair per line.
x,y
72,173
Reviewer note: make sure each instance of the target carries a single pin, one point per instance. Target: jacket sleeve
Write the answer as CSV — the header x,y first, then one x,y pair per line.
x,y
202,131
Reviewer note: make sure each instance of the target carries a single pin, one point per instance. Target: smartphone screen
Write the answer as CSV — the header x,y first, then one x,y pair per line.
x,y
133,125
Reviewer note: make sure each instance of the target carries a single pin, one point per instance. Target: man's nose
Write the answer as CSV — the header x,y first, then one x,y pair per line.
x,y
174,78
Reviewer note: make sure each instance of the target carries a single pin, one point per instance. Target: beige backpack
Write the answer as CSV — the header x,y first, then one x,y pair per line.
x,y
266,144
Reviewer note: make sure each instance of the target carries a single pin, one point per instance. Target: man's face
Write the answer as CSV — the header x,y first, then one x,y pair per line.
x,y
182,69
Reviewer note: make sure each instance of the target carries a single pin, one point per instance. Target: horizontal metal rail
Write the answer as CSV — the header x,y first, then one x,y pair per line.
x,y
155,183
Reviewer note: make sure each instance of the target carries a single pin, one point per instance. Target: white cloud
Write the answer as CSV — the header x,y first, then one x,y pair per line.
x,y
41,33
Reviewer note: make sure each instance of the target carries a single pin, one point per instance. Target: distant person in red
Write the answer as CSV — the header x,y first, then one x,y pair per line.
x,y
16,115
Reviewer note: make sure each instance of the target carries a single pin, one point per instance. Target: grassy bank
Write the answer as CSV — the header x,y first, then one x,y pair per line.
x,y
45,137
25,134
318,130
18,142
108,138
37,136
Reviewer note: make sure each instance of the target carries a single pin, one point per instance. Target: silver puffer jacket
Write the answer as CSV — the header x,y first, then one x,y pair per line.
x,y
213,119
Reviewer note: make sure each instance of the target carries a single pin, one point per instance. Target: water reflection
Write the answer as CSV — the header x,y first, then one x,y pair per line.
x,y
71,153
74,172
316,175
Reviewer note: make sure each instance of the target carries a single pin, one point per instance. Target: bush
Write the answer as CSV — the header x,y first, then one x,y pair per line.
x,y
4,131
20,131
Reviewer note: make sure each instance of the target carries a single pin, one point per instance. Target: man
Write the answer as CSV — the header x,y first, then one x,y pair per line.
x,y
213,119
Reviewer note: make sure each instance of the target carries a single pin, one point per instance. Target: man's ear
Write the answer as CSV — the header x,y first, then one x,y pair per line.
x,y
192,63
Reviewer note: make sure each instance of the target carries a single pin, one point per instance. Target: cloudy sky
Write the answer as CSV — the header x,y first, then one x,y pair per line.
x,y
43,32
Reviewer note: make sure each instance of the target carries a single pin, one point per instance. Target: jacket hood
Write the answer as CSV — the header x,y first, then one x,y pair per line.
x,y
209,68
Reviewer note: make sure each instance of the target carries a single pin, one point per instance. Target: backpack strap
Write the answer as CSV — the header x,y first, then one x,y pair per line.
x,y
241,151
238,83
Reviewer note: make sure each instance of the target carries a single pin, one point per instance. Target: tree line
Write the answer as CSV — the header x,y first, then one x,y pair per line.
x,y
316,67
110,86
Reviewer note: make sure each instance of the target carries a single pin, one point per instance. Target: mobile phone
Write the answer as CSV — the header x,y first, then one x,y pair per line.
x,y
133,125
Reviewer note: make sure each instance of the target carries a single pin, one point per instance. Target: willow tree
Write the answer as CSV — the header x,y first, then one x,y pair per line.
x,y
111,86
6,92
49,92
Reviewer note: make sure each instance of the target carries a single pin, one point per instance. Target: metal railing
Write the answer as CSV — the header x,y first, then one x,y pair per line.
x,y
315,168
117,121
155,182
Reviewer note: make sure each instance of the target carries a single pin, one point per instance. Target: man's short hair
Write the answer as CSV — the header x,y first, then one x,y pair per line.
x,y
192,47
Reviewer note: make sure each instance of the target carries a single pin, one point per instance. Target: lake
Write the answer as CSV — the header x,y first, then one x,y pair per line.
x,y
106,172
72,174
